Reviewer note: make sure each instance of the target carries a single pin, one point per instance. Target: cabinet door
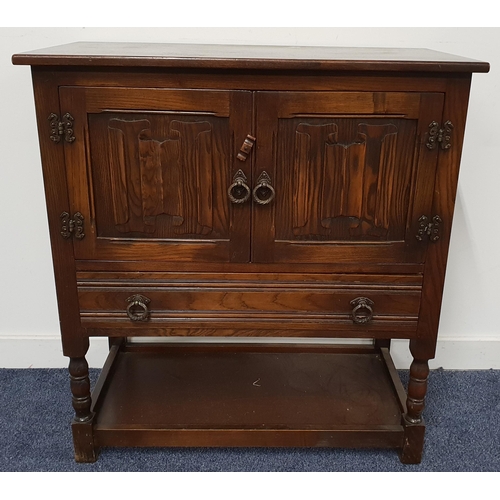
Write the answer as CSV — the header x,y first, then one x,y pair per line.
x,y
149,170
351,175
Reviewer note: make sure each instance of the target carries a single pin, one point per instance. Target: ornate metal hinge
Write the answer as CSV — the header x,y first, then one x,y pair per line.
x,y
72,226
439,135
429,228
61,128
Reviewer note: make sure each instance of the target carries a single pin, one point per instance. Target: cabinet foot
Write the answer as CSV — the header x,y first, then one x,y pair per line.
x,y
83,442
413,445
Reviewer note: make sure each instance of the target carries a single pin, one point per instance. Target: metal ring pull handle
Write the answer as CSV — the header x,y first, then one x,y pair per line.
x,y
239,191
362,311
263,192
138,310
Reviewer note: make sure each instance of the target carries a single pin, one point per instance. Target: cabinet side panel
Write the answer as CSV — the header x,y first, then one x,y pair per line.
x,y
455,110
56,192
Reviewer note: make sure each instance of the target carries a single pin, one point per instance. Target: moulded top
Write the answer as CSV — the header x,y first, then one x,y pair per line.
x,y
265,57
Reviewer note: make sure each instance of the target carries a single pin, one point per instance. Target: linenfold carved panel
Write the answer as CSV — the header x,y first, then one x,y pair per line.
x,y
348,179
161,175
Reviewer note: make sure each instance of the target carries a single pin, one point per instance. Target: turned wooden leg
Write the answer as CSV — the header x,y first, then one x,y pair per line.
x,y
413,421
417,388
82,422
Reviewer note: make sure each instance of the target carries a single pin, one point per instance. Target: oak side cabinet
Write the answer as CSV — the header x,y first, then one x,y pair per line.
x,y
257,192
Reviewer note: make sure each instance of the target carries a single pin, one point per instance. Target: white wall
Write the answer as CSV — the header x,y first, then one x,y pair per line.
x,y
469,331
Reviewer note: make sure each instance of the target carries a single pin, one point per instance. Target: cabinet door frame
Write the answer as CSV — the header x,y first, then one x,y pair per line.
x,y
80,101
423,107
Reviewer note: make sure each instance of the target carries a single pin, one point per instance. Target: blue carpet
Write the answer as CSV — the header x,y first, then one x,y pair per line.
x,y
462,417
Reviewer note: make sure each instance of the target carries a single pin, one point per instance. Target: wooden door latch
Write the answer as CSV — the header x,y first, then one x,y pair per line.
x,y
246,147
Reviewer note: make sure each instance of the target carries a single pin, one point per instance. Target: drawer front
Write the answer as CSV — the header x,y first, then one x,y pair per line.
x,y
328,306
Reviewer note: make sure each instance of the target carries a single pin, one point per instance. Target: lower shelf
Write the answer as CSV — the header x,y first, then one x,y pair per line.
x,y
211,395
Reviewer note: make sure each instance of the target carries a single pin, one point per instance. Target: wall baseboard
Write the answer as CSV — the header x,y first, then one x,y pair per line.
x,y
46,352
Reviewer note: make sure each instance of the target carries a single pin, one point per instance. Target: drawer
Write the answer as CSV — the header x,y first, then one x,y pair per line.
x,y
280,305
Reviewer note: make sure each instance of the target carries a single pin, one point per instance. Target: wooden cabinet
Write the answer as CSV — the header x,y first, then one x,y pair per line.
x,y
258,192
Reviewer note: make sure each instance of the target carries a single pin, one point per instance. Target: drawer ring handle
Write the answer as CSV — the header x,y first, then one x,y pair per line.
x,y
362,311
137,309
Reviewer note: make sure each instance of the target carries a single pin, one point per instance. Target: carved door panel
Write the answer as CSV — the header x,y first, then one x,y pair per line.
x,y
150,170
350,172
